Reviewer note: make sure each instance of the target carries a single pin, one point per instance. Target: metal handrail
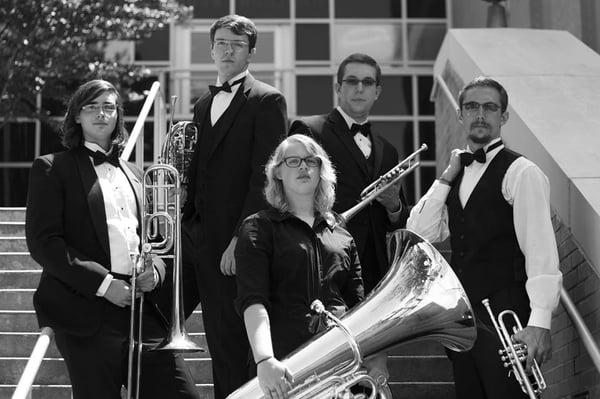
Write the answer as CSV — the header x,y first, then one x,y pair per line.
x,y
139,124
23,390
584,333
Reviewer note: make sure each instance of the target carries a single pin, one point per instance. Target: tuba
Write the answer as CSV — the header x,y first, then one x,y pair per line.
x,y
420,298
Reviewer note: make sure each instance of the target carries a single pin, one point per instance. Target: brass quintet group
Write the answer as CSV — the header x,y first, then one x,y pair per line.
x,y
297,241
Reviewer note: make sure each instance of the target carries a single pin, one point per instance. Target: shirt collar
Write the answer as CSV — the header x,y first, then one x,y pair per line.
x,y
95,147
236,77
349,120
489,155
278,216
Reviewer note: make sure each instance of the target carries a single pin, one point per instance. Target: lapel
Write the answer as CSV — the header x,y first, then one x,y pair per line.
x,y
226,120
340,129
203,106
377,153
91,187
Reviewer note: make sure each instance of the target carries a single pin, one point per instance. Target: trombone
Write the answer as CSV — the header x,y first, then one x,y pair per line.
x,y
375,189
515,354
161,235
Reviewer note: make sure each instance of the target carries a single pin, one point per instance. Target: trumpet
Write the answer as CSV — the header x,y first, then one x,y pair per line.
x,y
515,354
373,190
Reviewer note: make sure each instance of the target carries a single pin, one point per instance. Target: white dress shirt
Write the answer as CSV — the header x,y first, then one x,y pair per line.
x,y
121,217
527,189
363,142
222,99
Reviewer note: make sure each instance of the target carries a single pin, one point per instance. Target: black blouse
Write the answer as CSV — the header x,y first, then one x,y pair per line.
x,y
284,264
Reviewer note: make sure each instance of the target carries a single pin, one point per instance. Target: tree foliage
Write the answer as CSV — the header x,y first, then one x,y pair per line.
x,y
52,46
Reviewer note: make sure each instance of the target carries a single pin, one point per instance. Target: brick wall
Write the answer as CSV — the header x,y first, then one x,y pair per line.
x,y
571,373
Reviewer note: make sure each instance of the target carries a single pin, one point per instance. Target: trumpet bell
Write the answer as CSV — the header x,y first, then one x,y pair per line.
x,y
420,298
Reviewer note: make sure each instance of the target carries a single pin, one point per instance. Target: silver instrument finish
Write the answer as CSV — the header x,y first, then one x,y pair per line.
x,y
514,355
420,298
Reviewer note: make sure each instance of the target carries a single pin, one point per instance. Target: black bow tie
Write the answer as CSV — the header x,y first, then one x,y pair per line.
x,y
226,87
99,158
365,128
467,158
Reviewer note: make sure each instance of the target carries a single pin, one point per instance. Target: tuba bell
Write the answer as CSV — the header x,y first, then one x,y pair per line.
x,y
420,298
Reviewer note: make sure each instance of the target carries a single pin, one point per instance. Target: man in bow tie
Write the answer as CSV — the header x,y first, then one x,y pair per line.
x,y
494,205
240,120
360,156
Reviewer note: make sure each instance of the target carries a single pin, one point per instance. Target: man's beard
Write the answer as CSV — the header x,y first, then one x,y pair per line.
x,y
478,139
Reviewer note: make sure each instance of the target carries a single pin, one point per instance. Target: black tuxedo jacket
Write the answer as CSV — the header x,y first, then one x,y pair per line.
x,y
67,235
229,185
353,176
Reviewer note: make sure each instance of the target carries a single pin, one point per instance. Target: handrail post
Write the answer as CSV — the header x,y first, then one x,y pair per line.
x,y
23,390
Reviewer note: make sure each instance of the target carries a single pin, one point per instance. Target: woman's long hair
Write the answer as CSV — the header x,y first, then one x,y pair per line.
x,y
325,192
71,133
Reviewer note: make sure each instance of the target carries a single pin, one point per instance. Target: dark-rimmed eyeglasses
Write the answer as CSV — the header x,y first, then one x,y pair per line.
x,y
295,162
366,82
107,108
472,107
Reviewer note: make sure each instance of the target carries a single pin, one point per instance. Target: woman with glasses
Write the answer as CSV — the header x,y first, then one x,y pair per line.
x,y
82,226
291,254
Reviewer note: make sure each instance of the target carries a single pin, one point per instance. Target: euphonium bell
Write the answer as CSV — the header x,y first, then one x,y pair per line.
x,y
420,298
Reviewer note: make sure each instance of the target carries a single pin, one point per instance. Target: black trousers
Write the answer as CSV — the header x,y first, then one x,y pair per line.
x,y
97,364
479,373
225,331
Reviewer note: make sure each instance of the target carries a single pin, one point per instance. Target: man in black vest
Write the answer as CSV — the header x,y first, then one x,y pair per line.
x,y
241,121
494,204
360,156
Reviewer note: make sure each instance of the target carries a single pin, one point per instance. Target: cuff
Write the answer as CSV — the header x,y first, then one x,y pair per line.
x,y
105,284
540,318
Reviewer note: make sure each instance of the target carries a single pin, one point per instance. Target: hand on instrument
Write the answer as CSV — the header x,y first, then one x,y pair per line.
x,y
274,378
539,344
454,167
146,281
390,198
119,293
228,259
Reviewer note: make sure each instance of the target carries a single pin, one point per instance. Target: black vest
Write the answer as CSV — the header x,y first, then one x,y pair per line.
x,y
485,253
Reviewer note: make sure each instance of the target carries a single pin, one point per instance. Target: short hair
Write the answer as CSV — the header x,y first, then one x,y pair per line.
x,y
485,81
325,192
71,132
237,24
359,58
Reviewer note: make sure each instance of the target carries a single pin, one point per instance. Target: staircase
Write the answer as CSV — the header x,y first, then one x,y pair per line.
x,y
417,371
19,276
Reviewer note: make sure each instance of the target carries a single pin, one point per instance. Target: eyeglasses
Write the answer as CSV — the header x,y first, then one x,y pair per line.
x,y
295,162
366,82
472,107
107,108
223,44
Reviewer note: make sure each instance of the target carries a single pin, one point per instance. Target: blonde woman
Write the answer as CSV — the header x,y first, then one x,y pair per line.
x,y
291,254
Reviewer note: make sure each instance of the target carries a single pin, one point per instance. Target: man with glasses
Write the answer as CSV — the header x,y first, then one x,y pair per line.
x,y
240,120
360,156
494,205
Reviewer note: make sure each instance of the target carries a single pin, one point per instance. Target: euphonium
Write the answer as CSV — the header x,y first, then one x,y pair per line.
x,y
420,298
373,190
513,355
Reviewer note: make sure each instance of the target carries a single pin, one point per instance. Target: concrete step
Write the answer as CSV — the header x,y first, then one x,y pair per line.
x,y
419,390
16,299
14,279
25,321
12,214
54,372
17,261
12,229
13,244
64,391
13,345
